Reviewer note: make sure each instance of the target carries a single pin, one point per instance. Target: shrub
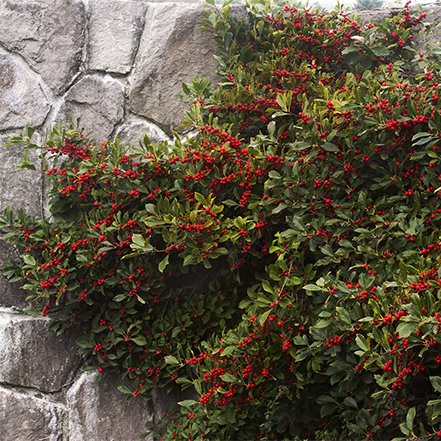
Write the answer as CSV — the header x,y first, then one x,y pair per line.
x,y
286,263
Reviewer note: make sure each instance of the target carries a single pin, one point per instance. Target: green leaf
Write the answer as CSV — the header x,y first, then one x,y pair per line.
x,y
176,331
228,378
264,316
197,386
406,329
29,260
302,145
140,341
321,324
230,203
323,399
350,402
436,383
327,251
281,102
362,342
421,135
228,351
410,417
274,174
379,393
187,403
343,315
327,409
150,208
200,198
140,299
125,390
138,239
170,359
271,129
267,287
183,380
311,287
163,263
330,147
404,429
31,311
380,51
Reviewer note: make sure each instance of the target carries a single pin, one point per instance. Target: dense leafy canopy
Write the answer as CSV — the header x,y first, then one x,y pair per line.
x,y
285,263
368,4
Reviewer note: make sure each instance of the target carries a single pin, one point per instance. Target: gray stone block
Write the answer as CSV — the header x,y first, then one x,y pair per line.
x,y
98,101
102,413
48,34
420,41
134,130
373,15
22,101
115,28
31,355
21,189
172,51
25,418
11,294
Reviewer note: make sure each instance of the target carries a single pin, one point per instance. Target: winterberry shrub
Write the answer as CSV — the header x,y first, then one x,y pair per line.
x,y
286,262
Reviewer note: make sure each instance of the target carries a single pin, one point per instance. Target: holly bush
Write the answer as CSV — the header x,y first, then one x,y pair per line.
x,y
285,263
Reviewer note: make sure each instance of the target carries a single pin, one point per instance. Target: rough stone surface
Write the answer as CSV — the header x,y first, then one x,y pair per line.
x,y
171,51
21,189
23,418
200,2
433,37
99,102
434,17
11,295
101,413
163,401
31,355
373,15
22,100
115,28
48,34
134,130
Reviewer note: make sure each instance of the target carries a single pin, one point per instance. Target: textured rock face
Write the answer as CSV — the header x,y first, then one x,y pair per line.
x,y
172,50
20,190
134,130
116,64
99,102
373,16
22,100
31,355
48,34
114,32
29,418
101,413
11,296
163,401
434,17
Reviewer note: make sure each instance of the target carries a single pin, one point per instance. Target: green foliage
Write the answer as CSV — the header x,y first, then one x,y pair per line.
x,y
286,263
368,4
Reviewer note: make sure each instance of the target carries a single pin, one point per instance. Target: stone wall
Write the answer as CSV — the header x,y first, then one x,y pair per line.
x,y
117,64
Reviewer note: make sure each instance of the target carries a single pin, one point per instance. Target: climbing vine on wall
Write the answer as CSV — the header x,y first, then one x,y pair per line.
x,y
285,263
